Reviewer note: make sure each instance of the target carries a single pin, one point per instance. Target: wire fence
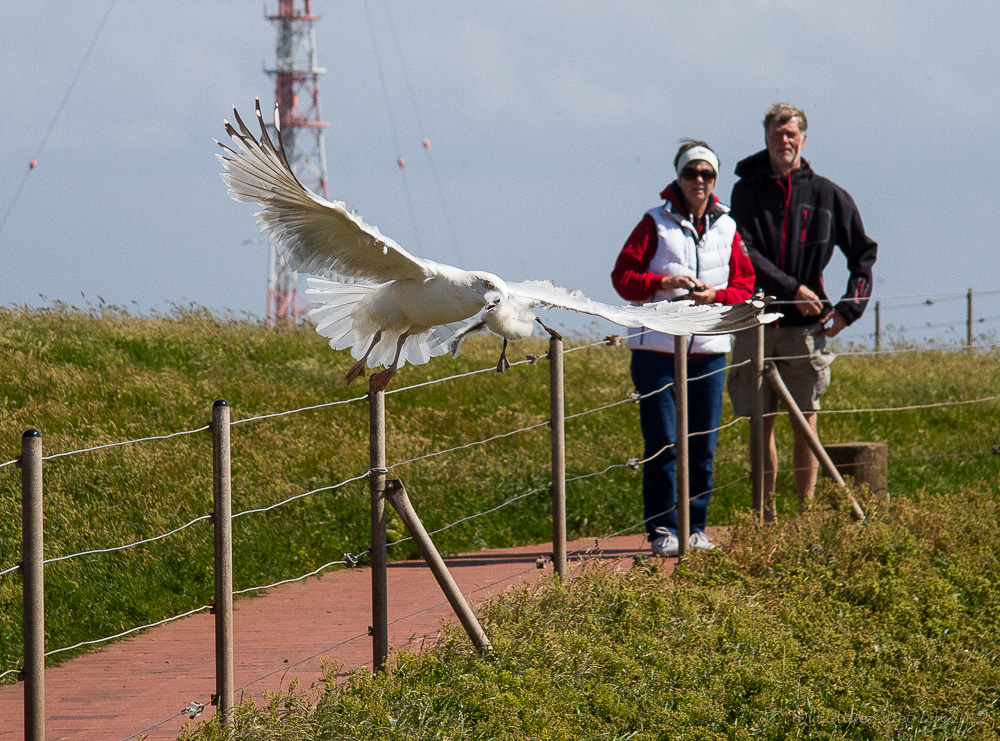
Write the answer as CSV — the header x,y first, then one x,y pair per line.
x,y
350,559
632,398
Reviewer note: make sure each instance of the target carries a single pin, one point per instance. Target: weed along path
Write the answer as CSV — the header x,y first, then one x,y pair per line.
x,y
287,633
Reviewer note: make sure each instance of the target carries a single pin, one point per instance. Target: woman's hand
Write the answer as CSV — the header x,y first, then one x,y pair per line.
x,y
685,282
698,290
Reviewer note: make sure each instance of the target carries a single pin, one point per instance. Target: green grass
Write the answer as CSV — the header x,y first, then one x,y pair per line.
x,y
87,378
816,628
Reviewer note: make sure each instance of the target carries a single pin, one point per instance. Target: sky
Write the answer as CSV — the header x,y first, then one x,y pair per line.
x,y
553,127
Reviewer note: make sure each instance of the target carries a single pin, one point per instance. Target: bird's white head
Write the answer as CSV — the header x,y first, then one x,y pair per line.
x,y
493,299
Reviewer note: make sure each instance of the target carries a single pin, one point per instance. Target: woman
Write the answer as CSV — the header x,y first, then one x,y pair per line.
x,y
687,248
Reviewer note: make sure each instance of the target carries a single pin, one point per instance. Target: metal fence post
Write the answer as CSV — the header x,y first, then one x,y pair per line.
x,y
758,449
376,483
557,423
222,520
682,477
32,571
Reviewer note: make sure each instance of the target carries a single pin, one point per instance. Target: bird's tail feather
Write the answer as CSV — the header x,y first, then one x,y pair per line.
x,y
335,304
334,317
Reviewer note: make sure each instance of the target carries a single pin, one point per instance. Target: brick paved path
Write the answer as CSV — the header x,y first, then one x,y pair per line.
x,y
133,684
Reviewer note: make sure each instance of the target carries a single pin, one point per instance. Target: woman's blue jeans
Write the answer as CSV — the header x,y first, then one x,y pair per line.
x,y
657,416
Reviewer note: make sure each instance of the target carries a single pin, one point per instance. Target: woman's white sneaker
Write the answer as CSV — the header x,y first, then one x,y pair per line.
x,y
665,543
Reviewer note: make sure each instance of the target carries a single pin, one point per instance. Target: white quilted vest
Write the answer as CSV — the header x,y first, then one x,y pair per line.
x,y
679,253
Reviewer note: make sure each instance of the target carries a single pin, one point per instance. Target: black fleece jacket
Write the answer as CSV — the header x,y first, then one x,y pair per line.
x,y
790,226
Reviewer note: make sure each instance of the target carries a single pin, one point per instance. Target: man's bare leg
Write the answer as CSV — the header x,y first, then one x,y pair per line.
x,y
805,463
770,467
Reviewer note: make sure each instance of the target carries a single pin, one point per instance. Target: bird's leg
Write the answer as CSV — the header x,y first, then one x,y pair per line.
x,y
382,378
503,364
552,332
358,369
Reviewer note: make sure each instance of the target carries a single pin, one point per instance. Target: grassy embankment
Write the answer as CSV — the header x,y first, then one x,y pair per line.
x,y
85,380
815,628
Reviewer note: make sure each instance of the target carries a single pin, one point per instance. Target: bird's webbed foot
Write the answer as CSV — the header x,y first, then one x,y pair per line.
x,y
552,332
381,379
357,370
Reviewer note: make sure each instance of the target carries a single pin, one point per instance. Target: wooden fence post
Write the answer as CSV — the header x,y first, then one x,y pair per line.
x,y
395,493
33,580
968,320
681,465
378,555
760,499
557,424
222,521
798,420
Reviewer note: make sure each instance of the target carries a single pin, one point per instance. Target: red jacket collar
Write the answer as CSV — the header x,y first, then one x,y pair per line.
x,y
672,195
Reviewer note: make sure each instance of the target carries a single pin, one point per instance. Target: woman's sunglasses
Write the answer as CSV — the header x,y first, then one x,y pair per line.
x,y
690,173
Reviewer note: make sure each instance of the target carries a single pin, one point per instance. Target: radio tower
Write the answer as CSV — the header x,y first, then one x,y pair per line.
x,y
296,92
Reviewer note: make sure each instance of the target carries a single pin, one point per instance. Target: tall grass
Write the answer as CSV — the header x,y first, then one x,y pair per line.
x,y
90,377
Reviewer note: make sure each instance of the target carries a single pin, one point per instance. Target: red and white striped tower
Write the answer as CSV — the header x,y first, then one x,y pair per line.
x,y
296,91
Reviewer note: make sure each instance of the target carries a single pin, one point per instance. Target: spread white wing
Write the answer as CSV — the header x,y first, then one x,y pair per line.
x,y
315,235
676,317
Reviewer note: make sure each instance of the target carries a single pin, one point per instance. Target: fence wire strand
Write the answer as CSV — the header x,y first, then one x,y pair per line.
x,y
155,725
300,496
56,559
894,351
911,407
129,631
500,436
294,579
311,407
126,442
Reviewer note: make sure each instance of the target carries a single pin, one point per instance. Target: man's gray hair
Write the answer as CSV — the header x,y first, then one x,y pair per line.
x,y
782,113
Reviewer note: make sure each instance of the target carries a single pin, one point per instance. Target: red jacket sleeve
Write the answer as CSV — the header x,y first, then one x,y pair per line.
x,y
631,276
741,276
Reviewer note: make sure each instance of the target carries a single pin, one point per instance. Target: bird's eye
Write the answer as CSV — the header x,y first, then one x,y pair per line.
x,y
489,285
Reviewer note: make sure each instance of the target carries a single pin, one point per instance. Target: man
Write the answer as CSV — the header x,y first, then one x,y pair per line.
x,y
791,219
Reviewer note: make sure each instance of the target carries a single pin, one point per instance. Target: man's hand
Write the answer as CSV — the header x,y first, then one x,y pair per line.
x,y
813,305
838,324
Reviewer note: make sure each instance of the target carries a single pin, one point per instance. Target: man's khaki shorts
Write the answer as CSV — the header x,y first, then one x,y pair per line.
x,y
799,354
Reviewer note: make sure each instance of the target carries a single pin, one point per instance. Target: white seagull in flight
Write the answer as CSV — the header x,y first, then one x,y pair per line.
x,y
412,308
